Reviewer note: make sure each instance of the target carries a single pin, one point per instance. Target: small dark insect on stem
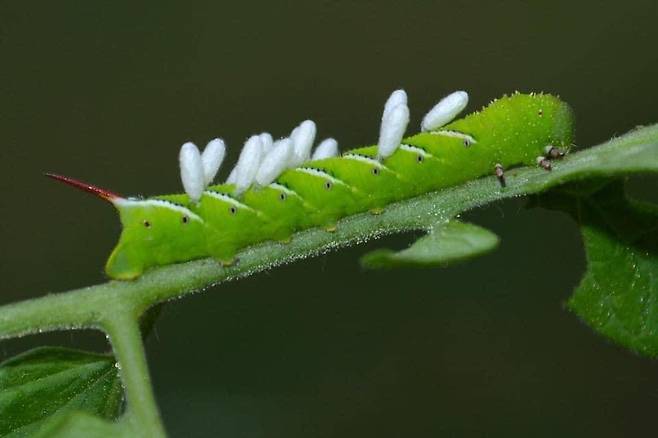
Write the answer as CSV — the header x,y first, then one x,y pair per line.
x,y
544,163
500,174
554,153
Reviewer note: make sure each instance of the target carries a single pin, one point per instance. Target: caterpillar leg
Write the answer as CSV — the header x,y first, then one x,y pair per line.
x,y
499,171
544,163
283,236
225,256
227,263
553,153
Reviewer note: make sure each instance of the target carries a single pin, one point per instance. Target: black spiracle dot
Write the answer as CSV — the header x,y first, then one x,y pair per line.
x,y
467,142
147,224
328,185
185,219
282,196
540,112
375,171
233,210
420,158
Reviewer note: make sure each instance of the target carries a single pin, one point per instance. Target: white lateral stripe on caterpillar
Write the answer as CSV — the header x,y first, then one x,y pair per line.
x,y
320,173
364,159
455,134
158,203
415,150
328,148
444,111
228,199
284,189
191,171
212,158
392,130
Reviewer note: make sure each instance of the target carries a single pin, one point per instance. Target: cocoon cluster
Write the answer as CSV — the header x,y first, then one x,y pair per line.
x,y
262,160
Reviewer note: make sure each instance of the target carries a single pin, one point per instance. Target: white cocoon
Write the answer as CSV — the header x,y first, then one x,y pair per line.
x,y
444,111
212,158
248,163
275,162
267,142
231,176
302,139
396,98
327,149
191,171
392,130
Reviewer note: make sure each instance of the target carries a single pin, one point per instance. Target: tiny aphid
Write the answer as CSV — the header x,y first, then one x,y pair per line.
x,y
278,188
499,171
544,162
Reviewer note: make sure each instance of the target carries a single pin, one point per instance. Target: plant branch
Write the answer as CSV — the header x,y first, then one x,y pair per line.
x,y
142,414
117,306
635,152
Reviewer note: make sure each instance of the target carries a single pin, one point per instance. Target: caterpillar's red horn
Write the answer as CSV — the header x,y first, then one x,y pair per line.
x,y
94,190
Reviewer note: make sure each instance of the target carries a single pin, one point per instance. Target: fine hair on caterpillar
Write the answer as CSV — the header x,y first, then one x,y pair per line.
x,y
279,187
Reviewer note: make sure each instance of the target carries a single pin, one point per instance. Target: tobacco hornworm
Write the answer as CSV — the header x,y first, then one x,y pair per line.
x,y
278,187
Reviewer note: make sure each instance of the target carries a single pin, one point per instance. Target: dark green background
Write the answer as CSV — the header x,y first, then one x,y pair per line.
x,y
107,91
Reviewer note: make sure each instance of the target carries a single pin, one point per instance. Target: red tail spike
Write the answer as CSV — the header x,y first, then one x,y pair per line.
x,y
101,193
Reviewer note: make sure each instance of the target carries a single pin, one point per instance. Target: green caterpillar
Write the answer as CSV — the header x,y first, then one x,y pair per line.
x,y
270,200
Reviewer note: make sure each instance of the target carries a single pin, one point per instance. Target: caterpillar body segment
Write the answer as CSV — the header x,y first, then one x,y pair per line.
x,y
146,238
513,135
374,183
161,230
328,197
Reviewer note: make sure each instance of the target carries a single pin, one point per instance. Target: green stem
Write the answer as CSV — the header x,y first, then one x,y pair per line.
x,y
122,328
633,153
117,306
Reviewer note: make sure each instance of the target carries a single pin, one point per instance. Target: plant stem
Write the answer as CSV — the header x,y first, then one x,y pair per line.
x,y
116,306
82,308
122,328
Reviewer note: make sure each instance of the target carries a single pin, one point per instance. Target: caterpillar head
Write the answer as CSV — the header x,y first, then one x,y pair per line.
x,y
537,119
155,232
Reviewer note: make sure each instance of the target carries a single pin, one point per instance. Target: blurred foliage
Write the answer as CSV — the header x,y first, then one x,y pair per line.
x,y
447,243
618,296
49,382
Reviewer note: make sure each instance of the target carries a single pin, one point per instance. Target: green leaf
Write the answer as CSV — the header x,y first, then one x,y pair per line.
x,y
78,424
43,382
618,296
447,243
